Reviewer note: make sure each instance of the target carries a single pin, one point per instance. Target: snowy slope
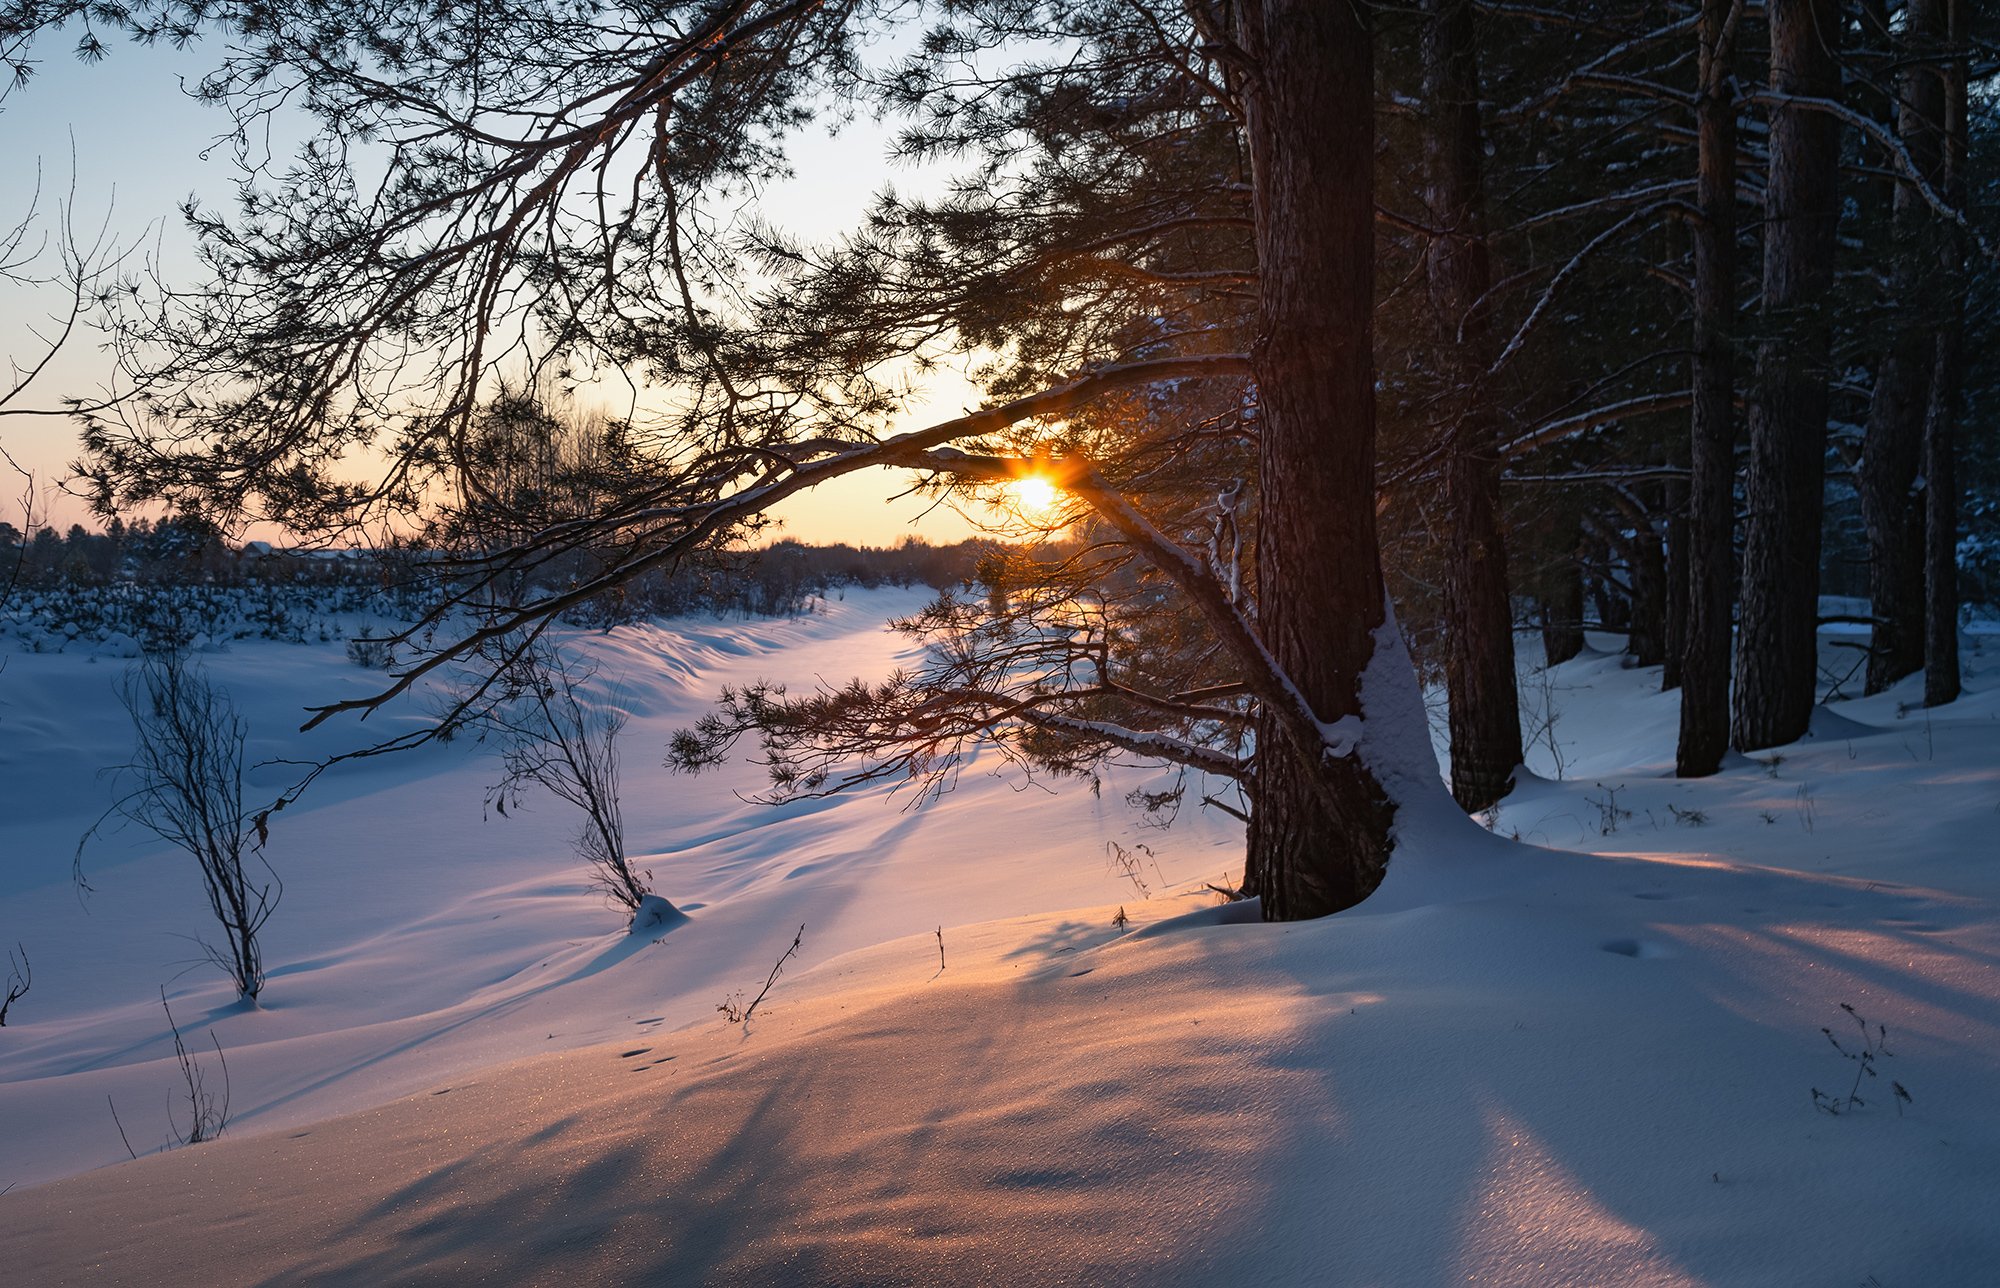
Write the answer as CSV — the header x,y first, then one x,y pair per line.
x,y
416,938
1583,1057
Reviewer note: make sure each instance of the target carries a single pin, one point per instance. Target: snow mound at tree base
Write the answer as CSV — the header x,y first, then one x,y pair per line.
x,y
656,915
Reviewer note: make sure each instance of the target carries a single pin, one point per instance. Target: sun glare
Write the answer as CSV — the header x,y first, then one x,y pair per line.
x,y
1034,495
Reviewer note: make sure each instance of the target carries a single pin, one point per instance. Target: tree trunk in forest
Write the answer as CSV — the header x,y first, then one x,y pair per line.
x,y
1777,655
1612,600
1309,122
1873,193
1940,463
1891,511
1675,637
1645,579
1711,508
1940,452
1646,641
1482,704
1562,606
1636,606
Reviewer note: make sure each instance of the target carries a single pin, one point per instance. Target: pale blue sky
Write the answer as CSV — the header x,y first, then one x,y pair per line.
x,y
139,144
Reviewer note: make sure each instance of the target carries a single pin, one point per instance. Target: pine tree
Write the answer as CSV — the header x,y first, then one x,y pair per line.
x,y
1777,653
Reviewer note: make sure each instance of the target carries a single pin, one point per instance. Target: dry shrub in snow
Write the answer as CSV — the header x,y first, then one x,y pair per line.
x,y
184,784
20,977
549,738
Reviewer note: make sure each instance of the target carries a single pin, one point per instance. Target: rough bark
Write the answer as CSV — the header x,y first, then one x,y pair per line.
x,y
1777,659
1675,635
1711,510
1892,509
1940,453
1483,707
1941,667
1308,119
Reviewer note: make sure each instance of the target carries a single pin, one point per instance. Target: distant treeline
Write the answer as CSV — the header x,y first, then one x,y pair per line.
x,y
181,551
177,548
781,579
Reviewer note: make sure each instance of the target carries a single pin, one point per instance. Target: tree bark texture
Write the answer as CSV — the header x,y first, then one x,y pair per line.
x,y
1483,707
1892,509
1940,451
1711,510
1777,648
1675,637
1309,122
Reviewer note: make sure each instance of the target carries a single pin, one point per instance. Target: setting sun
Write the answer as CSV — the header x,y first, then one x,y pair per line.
x,y
1034,495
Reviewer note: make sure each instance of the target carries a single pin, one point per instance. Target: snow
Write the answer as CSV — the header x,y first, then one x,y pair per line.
x,y
1578,1047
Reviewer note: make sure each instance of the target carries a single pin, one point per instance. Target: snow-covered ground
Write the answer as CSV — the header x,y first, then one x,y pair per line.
x,y
1585,1055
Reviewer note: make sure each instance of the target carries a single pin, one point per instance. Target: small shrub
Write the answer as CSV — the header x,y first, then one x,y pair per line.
x,y
184,784
206,1118
1127,863
1609,812
551,738
1870,1049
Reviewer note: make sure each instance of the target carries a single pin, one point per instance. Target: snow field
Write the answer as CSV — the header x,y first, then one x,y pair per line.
x,y
1583,1057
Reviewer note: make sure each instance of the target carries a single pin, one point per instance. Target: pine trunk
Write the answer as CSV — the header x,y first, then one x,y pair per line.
x,y
1777,660
1940,453
1677,590
1711,589
1892,511
1484,709
1646,640
1562,607
1309,122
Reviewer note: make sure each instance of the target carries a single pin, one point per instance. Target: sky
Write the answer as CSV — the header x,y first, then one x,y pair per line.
x,y
141,147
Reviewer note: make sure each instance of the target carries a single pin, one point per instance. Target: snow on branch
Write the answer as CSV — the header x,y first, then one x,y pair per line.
x,y
1145,742
1592,71
1650,192
1563,274
1906,165
1595,418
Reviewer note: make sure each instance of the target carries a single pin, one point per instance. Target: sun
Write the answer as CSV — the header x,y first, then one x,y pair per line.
x,y
1034,495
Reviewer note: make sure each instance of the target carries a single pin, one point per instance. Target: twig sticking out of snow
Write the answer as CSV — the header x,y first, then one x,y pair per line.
x,y
121,1129
20,977
1872,1047
737,1013
206,1119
